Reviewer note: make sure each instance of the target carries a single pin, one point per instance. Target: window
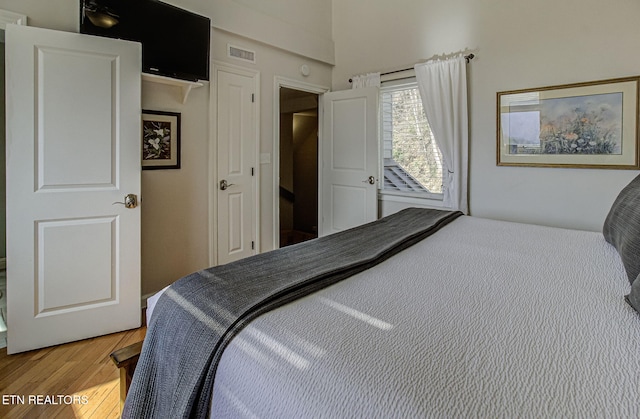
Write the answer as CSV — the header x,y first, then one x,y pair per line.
x,y
412,162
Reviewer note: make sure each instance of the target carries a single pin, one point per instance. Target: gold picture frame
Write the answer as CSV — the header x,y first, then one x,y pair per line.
x,y
581,125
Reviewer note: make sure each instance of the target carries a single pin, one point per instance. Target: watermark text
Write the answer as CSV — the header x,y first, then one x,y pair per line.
x,y
44,399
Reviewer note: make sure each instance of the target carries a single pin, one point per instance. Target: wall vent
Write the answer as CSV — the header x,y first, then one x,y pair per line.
x,y
241,53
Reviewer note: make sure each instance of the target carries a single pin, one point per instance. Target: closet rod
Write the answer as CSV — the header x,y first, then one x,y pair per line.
x,y
466,57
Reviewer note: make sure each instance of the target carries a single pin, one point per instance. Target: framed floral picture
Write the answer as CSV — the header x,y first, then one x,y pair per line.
x,y
160,140
583,125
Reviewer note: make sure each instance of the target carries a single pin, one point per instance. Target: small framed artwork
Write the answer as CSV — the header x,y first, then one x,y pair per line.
x,y
160,140
583,125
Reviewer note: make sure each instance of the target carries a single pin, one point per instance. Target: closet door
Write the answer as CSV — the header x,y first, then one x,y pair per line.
x,y
236,162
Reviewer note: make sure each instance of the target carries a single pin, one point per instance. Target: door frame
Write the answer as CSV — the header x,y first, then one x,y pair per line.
x,y
278,82
8,17
213,153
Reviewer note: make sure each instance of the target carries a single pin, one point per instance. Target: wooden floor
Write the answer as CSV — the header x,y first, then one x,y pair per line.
x,y
31,382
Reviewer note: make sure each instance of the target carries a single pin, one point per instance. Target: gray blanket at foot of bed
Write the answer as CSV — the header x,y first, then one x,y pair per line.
x,y
199,314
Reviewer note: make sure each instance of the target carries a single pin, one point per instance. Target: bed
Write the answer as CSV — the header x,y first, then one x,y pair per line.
x,y
483,318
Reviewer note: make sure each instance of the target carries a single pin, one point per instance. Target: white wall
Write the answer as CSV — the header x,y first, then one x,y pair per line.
x,y
175,218
62,15
518,44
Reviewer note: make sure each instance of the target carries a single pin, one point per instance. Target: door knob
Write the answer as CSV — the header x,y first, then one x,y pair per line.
x,y
224,185
130,201
370,180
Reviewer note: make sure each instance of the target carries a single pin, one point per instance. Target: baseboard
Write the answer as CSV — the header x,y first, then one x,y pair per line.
x,y
143,302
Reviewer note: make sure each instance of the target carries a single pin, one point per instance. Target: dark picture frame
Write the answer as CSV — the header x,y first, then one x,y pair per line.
x,y
160,140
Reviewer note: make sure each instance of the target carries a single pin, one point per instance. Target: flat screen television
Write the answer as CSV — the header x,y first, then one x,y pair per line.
x,y
175,42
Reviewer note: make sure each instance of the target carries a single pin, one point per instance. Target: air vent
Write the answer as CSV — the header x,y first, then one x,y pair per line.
x,y
241,53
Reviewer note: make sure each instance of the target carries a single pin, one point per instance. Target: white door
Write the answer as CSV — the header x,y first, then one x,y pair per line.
x,y
237,207
349,153
73,149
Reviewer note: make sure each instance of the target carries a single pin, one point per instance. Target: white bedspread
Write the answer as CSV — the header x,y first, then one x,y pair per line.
x,y
483,319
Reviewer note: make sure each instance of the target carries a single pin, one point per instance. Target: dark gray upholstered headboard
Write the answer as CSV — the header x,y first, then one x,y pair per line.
x,y
622,229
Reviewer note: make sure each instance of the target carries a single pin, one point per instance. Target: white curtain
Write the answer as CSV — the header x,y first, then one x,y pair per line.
x,y
365,80
443,88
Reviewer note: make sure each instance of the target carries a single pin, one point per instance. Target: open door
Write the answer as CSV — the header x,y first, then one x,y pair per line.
x,y
73,154
349,153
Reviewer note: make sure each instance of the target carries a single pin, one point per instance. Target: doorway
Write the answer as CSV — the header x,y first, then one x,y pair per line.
x,y
298,157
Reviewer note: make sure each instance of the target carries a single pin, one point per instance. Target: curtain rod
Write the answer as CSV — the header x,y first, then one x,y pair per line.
x,y
466,57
